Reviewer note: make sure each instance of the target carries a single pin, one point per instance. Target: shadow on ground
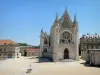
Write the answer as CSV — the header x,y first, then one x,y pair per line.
x,y
42,60
2,59
89,65
33,57
67,60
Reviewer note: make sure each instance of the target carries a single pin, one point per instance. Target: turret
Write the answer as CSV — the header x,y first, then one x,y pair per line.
x,y
56,17
42,33
41,42
56,22
75,24
42,30
75,21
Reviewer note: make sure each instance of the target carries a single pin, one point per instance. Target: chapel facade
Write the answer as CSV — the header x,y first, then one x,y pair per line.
x,y
62,42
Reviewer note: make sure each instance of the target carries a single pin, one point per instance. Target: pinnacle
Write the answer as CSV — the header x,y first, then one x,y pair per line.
x,y
56,16
66,11
75,18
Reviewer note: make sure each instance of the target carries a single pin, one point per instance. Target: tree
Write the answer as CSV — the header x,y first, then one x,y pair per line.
x,y
23,44
36,46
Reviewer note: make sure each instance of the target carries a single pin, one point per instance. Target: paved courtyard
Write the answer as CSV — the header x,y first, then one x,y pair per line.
x,y
19,66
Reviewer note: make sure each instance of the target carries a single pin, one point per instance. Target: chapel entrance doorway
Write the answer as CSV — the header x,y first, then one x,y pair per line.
x,y
66,54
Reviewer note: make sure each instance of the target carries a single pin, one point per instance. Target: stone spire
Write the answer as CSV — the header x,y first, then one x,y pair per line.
x,y
56,16
42,30
75,21
66,12
65,17
42,33
56,19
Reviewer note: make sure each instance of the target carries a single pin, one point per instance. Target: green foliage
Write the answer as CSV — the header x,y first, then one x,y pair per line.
x,y
23,44
36,46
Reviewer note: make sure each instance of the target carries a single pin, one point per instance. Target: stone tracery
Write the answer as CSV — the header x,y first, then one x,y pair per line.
x,y
65,38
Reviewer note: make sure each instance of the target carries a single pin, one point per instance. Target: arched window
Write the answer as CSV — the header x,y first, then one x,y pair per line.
x,y
45,41
91,46
45,50
96,46
87,46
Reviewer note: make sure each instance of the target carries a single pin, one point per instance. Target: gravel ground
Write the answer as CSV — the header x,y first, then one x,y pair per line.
x,y
19,66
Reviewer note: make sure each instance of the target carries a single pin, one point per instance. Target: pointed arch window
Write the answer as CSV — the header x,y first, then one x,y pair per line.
x,y
45,50
45,41
91,46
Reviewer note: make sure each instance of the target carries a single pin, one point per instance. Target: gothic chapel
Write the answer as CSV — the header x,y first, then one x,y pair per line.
x,y
62,43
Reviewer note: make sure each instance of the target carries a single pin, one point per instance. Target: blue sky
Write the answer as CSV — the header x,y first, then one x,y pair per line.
x,y
22,20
